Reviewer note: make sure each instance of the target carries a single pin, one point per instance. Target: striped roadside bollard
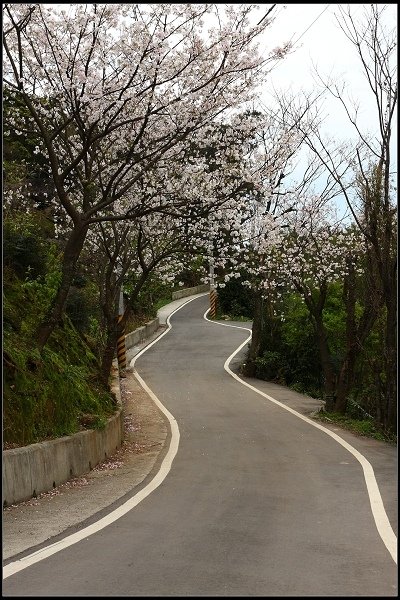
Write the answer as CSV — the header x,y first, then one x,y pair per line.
x,y
121,349
213,303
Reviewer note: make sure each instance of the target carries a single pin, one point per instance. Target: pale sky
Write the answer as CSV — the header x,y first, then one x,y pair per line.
x,y
324,44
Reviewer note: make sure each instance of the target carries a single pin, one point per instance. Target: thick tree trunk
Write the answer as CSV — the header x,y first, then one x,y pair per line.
x,y
108,353
254,350
347,371
110,310
71,254
356,336
390,361
315,309
326,362
345,381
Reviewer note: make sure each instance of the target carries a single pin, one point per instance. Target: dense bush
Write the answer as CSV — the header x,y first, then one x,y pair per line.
x,y
298,344
22,249
47,395
82,304
152,295
272,366
235,300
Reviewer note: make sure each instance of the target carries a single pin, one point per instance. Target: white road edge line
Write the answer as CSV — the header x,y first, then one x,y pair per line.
x,y
165,467
378,510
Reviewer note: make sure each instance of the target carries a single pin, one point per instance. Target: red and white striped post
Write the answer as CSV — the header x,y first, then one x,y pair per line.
x,y
213,292
121,347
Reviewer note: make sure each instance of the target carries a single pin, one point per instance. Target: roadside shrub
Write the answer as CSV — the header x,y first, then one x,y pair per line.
x,y
154,294
48,395
236,300
271,366
288,352
299,346
23,252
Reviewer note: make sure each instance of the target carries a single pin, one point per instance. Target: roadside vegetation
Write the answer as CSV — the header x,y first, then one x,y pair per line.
x,y
289,354
58,391
360,426
136,164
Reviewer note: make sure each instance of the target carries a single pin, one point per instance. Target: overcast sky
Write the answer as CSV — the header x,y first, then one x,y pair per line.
x,y
321,41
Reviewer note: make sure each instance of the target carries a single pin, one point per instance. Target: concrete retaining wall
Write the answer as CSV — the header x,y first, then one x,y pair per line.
x,y
141,333
190,291
37,468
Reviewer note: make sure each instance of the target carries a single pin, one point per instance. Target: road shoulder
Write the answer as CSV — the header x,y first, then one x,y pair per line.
x,y
28,525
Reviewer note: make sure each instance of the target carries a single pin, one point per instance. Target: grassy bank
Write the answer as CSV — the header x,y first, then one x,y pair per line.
x,y
49,394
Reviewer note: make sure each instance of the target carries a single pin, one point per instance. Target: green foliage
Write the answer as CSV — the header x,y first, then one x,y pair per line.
x,y
272,366
288,352
22,247
151,297
45,395
363,427
370,370
96,335
292,336
191,275
301,388
78,309
235,300
84,310
289,355
334,317
28,294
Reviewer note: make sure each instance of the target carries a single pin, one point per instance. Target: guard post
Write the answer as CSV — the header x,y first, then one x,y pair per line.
x,y
213,291
121,347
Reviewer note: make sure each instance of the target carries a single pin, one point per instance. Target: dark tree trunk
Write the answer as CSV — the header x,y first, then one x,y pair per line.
x,y
255,345
109,308
326,362
108,353
390,364
110,295
356,336
71,255
315,309
345,381
346,375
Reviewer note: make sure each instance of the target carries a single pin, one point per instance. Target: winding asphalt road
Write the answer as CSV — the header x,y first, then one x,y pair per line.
x,y
257,502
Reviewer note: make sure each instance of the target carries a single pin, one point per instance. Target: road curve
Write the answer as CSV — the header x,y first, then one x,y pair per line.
x,y
257,501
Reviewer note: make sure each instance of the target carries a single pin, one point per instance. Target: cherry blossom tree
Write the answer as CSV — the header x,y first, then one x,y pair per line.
x,y
254,230
363,171
114,90
215,177
316,251
301,249
124,253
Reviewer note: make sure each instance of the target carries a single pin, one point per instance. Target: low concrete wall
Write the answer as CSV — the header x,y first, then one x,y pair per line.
x,y
141,333
37,468
190,291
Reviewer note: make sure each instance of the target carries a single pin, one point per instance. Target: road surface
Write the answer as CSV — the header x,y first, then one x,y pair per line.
x,y
257,501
